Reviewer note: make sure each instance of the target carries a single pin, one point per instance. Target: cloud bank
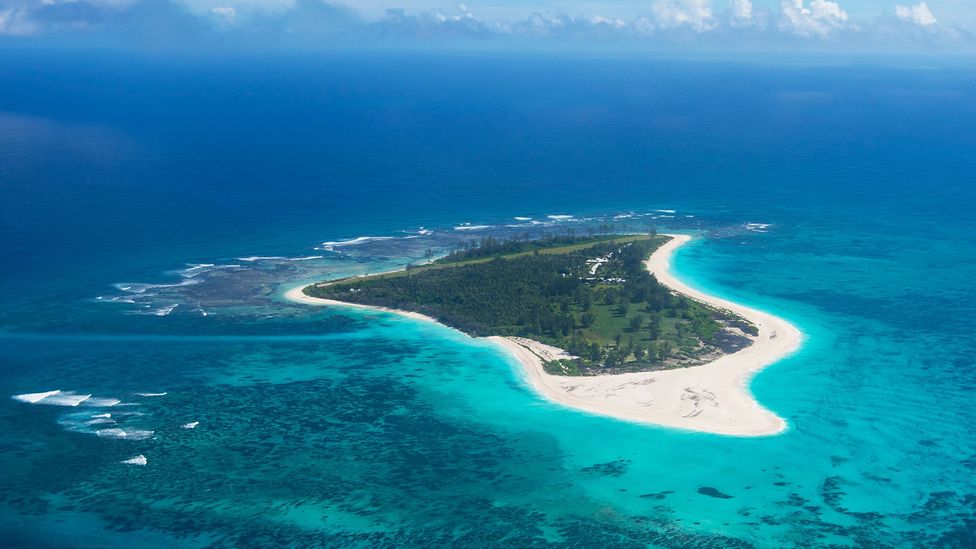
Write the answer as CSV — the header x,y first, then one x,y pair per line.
x,y
713,25
920,14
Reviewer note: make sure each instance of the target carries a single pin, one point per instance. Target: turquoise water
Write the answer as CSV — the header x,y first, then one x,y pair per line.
x,y
352,428
362,428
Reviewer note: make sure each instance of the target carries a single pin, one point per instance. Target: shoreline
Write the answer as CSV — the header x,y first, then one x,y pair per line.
x,y
297,295
710,398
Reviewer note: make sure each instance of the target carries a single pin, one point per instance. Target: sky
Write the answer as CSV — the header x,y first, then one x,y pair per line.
x,y
873,26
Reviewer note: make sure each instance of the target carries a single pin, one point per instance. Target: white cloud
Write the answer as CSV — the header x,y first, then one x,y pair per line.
x,y
15,22
608,21
741,12
920,14
821,18
225,13
697,14
822,9
742,9
463,14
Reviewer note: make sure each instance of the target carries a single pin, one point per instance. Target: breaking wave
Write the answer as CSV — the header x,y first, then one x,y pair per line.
x,y
165,310
196,269
53,398
254,258
122,434
330,246
141,288
99,402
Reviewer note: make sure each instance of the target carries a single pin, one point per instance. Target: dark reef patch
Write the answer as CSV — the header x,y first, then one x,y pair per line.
x,y
657,495
713,492
611,468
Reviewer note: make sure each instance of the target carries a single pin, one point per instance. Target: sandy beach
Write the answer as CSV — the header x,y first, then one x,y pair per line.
x,y
297,295
712,398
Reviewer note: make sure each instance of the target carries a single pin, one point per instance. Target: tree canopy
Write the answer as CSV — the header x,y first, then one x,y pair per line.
x,y
591,296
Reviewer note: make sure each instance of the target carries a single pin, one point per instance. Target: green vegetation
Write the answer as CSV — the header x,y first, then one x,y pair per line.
x,y
589,295
489,247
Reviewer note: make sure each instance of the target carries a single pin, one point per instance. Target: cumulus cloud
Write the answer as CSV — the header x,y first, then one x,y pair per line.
x,y
672,14
227,13
574,29
430,26
224,17
741,12
920,14
821,18
14,21
607,21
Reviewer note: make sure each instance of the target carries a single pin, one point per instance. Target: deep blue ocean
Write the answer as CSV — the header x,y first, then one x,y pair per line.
x,y
153,209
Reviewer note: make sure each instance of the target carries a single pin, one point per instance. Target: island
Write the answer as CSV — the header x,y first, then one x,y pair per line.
x,y
597,322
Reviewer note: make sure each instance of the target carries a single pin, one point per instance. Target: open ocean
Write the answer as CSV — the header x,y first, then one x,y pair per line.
x,y
154,209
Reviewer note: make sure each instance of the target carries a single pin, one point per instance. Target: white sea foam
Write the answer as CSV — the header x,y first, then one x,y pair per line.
x,y
150,394
141,288
330,246
623,216
196,269
53,398
758,227
262,258
165,310
116,299
560,217
666,211
471,227
278,258
517,218
102,402
34,398
135,460
191,425
116,433
100,421
65,398
101,416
